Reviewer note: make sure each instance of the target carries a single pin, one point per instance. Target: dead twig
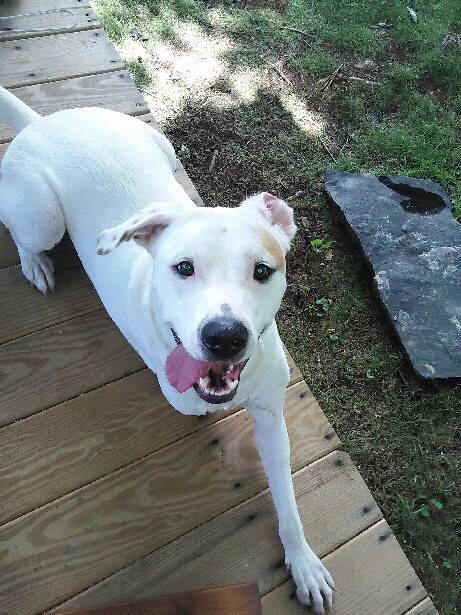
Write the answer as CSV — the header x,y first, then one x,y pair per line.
x,y
327,149
343,147
291,29
278,67
296,195
331,79
367,81
213,160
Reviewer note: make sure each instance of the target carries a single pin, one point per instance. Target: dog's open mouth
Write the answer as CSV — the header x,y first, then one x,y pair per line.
x,y
215,383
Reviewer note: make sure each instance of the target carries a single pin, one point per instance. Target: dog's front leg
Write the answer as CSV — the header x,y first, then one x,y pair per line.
x,y
313,581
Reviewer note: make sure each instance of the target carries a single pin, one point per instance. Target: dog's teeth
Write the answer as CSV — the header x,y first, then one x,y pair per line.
x,y
203,382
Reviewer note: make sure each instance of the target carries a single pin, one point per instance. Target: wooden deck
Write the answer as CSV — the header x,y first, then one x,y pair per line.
x,y
106,494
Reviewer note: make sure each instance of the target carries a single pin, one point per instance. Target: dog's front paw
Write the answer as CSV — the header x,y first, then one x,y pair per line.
x,y
38,269
314,585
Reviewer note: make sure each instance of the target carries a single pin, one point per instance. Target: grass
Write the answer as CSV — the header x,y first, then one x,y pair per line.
x,y
233,77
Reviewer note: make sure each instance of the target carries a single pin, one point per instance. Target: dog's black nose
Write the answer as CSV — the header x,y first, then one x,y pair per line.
x,y
224,337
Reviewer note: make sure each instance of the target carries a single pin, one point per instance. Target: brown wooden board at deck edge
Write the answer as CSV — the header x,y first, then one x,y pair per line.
x,y
240,599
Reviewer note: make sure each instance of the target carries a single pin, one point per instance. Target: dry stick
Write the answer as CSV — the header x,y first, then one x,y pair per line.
x,y
283,27
367,81
279,71
327,149
331,79
343,146
278,66
296,195
213,160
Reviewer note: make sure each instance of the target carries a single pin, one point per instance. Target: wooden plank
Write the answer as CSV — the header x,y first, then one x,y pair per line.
x,y
48,17
65,447
74,443
58,56
115,90
242,544
372,575
240,599
24,310
18,7
70,544
54,365
426,607
8,253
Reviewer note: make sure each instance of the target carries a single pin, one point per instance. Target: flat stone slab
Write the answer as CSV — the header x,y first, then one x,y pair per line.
x,y
413,244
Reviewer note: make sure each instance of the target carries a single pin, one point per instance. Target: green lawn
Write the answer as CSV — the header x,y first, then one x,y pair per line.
x,y
266,95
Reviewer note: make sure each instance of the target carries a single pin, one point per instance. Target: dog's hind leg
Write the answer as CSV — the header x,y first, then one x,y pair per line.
x,y
32,213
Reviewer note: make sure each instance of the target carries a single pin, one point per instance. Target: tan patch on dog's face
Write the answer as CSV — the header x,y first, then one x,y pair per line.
x,y
270,244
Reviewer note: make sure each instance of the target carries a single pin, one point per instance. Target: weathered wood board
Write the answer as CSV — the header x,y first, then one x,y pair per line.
x,y
28,18
55,57
114,90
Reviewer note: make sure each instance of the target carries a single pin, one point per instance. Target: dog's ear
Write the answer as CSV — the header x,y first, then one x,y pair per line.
x,y
275,211
143,227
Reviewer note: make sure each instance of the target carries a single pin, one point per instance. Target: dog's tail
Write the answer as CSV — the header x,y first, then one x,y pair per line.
x,y
13,112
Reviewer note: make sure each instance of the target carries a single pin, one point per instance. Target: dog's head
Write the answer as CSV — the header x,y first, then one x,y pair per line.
x,y
219,278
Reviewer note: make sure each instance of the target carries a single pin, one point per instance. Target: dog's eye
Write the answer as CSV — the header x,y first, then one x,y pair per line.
x,y
185,268
262,272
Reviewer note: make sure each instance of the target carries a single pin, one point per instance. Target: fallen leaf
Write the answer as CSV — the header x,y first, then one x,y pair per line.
x,y
412,14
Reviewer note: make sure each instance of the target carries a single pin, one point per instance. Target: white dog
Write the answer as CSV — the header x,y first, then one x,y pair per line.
x,y
194,290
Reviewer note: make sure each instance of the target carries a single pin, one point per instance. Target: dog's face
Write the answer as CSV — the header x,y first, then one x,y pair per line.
x,y
219,278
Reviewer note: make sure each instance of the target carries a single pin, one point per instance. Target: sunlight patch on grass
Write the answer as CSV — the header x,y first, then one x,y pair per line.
x,y
307,120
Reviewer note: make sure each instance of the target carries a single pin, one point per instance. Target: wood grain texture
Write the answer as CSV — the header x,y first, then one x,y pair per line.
x,y
74,443
242,544
426,607
240,599
372,575
18,7
58,56
10,257
64,17
115,90
49,367
25,310
71,543
8,253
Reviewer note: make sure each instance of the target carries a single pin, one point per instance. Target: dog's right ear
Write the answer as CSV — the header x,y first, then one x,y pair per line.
x,y
143,227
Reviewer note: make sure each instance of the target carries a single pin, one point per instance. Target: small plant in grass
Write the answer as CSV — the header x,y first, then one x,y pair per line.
x,y
139,72
321,245
320,307
184,152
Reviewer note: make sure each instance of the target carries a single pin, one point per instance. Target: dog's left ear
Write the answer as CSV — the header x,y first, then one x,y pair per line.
x,y
143,227
277,212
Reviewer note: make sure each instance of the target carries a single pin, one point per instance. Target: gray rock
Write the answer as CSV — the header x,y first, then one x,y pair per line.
x,y
413,244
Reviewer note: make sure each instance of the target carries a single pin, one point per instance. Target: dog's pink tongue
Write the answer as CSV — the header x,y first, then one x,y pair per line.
x,y
183,371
